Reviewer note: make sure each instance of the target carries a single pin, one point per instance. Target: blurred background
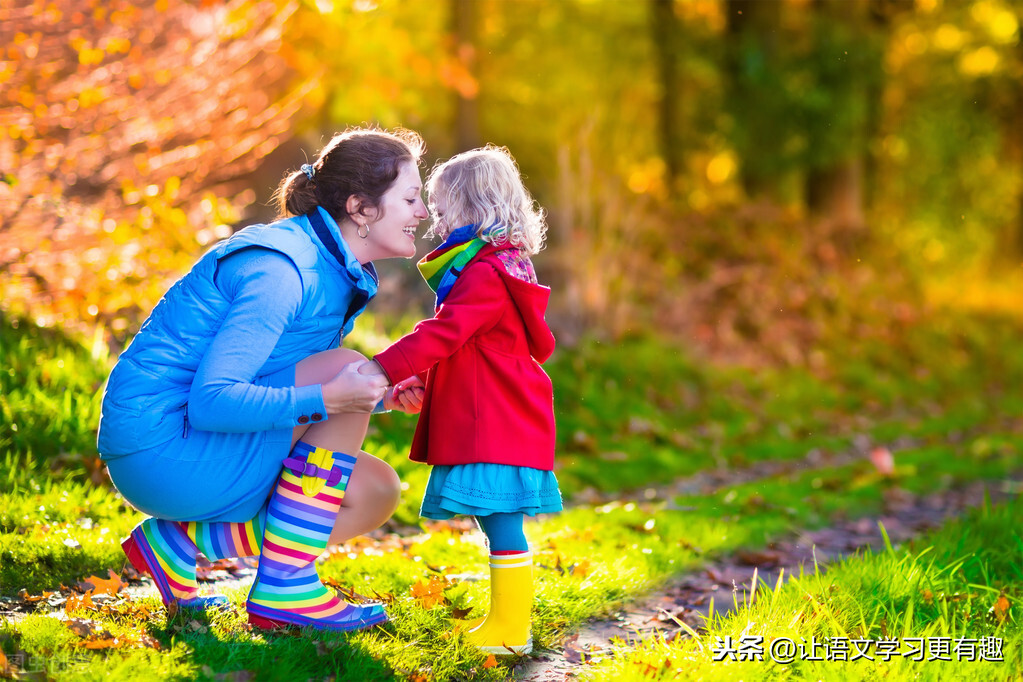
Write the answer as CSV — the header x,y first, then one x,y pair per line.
x,y
756,181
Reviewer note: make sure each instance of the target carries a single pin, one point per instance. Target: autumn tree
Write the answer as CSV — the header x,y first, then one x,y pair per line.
x,y
122,128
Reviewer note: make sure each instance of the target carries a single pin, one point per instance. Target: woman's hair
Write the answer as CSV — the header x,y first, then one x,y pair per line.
x,y
360,161
483,187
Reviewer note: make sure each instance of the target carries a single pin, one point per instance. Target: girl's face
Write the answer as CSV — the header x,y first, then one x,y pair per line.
x,y
392,227
438,207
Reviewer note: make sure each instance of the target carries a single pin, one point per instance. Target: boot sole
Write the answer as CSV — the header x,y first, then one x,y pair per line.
x,y
267,618
508,650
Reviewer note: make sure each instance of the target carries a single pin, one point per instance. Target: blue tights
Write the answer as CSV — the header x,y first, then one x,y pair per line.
x,y
504,531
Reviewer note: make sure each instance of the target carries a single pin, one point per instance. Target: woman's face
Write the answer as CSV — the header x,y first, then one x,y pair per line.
x,y
392,228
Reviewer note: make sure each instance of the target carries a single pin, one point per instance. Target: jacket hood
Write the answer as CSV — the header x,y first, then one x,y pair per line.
x,y
531,301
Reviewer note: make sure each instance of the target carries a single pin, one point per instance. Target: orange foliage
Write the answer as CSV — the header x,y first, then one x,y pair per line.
x,y
120,125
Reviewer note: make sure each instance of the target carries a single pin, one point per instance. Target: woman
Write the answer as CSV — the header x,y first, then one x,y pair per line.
x,y
235,390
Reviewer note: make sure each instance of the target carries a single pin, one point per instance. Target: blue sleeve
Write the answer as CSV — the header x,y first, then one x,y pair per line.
x,y
265,290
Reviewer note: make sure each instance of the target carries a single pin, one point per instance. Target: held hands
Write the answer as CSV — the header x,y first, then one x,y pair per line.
x,y
406,396
353,391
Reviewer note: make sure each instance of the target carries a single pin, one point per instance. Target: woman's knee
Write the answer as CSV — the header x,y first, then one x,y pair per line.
x,y
376,483
324,366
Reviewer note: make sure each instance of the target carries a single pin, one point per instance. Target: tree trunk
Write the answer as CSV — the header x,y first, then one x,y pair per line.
x,y
752,27
1016,145
665,30
835,192
465,18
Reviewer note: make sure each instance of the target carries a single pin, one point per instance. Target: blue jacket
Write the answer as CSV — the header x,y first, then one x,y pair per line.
x,y
146,400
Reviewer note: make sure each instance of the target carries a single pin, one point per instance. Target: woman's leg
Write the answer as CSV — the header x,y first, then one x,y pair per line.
x,y
314,500
376,492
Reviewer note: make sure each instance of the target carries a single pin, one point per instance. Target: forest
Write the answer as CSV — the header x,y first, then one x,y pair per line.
x,y
751,176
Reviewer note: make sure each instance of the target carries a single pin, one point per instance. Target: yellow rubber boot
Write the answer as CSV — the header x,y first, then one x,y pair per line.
x,y
506,629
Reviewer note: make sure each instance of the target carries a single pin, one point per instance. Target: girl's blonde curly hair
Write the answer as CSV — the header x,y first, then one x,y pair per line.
x,y
483,187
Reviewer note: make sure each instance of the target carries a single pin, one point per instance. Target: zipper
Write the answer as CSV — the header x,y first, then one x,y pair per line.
x,y
184,428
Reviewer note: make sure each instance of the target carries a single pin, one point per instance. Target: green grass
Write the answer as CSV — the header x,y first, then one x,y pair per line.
x,y
630,416
589,560
964,582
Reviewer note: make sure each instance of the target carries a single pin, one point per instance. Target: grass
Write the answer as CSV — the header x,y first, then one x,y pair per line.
x,y
961,585
630,416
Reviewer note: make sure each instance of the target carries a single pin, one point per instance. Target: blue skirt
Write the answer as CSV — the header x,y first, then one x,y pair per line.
x,y
482,489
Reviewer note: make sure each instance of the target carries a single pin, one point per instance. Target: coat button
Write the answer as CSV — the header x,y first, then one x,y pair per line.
x,y
317,416
303,419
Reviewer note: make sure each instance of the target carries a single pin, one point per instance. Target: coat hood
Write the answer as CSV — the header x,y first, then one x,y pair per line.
x,y
531,300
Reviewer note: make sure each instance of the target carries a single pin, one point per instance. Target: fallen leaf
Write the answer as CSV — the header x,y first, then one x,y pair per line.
x,y
491,662
32,599
883,461
101,642
766,557
582,569
126,607
573,654
83,627
97,585
75,602
460,614
1001,609
431,593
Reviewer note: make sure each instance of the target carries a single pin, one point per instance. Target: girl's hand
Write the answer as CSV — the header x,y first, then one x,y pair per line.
x,y
407,396
352,391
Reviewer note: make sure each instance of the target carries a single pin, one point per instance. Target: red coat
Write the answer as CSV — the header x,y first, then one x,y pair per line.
x,y
487,398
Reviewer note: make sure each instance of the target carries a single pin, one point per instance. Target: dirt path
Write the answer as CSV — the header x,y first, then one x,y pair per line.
x,y
688,597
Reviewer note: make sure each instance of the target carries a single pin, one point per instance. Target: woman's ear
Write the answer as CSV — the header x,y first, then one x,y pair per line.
x,y
356,205
353,205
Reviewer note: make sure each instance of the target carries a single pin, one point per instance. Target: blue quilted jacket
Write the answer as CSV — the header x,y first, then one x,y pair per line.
x,y
145,401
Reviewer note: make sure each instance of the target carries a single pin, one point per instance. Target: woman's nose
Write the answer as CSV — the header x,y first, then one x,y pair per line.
x,y
421,211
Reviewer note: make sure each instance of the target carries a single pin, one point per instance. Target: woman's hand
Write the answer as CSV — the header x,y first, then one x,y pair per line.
x,y
407,396
353,391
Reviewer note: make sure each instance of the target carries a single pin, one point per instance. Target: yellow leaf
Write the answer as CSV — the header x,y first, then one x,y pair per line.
x,y
581,569
31,599
74,602
430,593
1001,609
491,662
99,585
102,643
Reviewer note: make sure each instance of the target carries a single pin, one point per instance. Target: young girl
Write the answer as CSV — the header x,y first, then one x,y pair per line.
x,y
487,421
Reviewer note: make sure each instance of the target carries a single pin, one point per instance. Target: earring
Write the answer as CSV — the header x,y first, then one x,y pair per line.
x,y
358,231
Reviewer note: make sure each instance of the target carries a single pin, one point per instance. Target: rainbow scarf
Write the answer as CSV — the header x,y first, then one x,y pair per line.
x,y
442,266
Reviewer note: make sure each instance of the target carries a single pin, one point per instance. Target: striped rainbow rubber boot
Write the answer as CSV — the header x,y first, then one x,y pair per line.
x,y
220,540
300,516
506,629
166,550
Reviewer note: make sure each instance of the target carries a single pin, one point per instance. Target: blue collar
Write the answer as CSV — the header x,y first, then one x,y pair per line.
x,y
329,234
